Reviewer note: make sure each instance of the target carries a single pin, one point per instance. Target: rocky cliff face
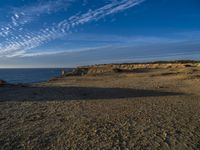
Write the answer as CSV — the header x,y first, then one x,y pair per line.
x,y
98,69
116,68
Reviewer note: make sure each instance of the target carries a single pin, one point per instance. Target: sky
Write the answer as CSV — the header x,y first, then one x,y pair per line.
x,y
68,33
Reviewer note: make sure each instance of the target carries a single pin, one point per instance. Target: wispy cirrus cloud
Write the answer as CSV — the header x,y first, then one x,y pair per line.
x,y
20,44
27,14
69,51
130,44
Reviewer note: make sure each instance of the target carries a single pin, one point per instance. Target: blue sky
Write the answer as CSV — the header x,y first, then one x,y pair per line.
x,y
67,33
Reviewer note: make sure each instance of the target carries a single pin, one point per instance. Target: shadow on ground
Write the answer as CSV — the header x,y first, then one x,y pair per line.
x,y
75,93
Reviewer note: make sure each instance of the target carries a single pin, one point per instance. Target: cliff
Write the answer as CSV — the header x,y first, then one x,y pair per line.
x,y
134,67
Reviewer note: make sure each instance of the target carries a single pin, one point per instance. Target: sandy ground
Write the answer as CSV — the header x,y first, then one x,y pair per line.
x,y
149,109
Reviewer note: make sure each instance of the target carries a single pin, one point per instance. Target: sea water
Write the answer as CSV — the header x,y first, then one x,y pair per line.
x,y
29,75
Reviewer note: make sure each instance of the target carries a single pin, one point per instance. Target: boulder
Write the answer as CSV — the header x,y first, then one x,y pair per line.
x,y
2,82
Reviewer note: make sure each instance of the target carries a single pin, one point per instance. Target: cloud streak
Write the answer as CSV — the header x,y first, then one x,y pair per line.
x,y
19,45
31,13
24,15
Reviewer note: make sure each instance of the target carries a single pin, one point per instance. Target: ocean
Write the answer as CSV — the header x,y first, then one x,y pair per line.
x,y
29,75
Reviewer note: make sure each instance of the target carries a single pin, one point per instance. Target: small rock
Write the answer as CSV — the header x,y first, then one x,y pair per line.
x,y
2,82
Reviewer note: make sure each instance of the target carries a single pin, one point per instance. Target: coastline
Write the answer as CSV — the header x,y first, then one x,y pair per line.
x,y
112,67
123,106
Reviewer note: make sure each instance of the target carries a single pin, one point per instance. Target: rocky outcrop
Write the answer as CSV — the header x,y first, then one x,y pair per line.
x,y
77,72
119,68
2,82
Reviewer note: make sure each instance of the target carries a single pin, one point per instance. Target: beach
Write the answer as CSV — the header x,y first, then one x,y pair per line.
x,y
126,106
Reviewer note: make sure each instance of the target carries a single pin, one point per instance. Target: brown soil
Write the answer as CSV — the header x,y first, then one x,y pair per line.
x,y
142,109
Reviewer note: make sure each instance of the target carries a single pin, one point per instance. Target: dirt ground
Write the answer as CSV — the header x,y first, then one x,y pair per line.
x,y
147,109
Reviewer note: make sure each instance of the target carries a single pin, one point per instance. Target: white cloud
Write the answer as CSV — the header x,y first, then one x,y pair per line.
x,y
27,14
22,43
33,54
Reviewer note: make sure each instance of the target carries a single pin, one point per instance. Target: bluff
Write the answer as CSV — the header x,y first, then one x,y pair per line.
x,y
129,67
